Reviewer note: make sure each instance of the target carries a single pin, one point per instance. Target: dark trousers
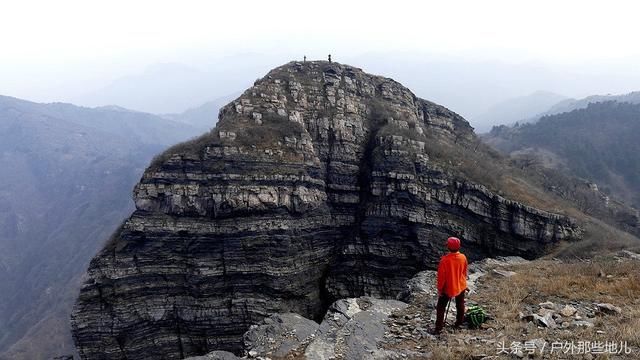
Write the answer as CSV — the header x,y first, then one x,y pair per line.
x,y
441,308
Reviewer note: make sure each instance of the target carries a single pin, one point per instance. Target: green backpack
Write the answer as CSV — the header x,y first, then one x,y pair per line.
x,y
476,316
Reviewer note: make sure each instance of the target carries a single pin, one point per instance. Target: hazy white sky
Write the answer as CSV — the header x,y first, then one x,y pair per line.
x,y
80,44
81,30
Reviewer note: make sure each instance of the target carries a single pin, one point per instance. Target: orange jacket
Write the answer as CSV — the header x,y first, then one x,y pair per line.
x,y
452,274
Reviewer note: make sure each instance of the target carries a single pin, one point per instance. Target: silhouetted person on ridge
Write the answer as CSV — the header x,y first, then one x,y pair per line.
x,y
304,59
329,58
452,283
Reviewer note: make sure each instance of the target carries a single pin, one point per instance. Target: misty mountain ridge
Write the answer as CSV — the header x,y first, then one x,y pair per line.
x,y
157,89
203,117
574,104
517,109
116,120
170,88
509,118
67,174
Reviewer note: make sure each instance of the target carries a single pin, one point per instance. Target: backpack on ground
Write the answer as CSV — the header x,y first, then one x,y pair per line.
x,y
475,316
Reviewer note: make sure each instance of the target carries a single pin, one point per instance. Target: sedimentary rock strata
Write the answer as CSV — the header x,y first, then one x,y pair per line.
x,y
316,184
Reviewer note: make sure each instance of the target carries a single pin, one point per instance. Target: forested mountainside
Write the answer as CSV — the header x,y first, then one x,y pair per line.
x,y
598,143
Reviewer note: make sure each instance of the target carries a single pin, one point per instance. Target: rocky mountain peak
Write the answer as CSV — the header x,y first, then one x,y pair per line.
x,y
302,92
318,183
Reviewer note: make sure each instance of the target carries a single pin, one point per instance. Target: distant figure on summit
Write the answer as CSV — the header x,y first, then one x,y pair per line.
x,y
329,58
452,283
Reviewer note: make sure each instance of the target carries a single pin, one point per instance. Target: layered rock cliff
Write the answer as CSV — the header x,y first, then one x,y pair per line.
x,y
317,184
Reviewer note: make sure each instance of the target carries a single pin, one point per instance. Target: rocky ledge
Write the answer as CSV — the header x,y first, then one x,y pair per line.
x,y
317,184
519,325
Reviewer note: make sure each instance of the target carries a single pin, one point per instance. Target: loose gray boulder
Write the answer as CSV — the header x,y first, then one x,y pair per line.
x,y
504,273
568,311
423,282
609,309
215,355
279,334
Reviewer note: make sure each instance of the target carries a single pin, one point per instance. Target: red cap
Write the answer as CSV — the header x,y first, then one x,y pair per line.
x,y
453,244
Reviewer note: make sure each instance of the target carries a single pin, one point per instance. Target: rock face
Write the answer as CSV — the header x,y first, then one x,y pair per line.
x,y
316,184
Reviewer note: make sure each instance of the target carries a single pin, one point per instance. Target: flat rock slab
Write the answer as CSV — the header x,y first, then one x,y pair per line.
x,y
504,273
423,282
352,328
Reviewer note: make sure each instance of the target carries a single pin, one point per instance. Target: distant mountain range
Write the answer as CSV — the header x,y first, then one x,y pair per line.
x,y
574,104
530,108
173,87
517,109
66,173
203,117
594,140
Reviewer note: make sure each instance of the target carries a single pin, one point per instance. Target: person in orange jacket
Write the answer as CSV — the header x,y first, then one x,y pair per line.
x,y
452,283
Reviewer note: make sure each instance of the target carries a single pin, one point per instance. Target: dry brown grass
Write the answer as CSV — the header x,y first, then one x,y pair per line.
x,y
599,280
578,280
602,279
520,190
